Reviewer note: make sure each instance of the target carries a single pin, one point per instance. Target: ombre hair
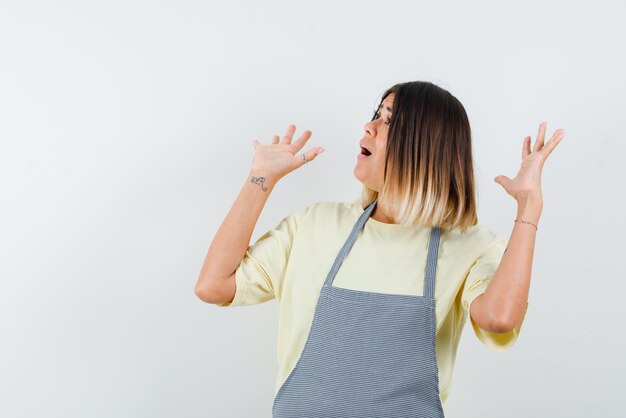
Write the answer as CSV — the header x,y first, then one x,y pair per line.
x,y
428,177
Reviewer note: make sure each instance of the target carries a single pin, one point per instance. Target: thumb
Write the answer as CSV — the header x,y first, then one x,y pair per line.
x,y
502,181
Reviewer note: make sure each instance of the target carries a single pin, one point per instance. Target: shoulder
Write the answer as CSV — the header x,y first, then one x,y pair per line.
x,y
328,211
325,216
476,241
332,208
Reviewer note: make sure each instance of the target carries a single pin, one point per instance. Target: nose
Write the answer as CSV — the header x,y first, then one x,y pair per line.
x,y
370,128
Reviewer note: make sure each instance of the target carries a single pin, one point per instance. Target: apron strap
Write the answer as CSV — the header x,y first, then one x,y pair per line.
x,y
349,242
431,262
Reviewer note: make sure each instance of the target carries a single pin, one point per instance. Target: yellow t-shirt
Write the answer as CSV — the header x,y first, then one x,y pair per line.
x,y
291,262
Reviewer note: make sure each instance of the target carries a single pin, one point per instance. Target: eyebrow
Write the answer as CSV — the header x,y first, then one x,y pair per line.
x,y
388,108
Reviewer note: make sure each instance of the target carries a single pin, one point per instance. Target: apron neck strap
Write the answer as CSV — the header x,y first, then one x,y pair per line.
x,y
431,262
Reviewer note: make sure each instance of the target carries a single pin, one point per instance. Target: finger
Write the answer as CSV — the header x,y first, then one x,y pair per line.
x,y
311,154
256,144
552,143
540,137
526,147
299,143
275,139
289,134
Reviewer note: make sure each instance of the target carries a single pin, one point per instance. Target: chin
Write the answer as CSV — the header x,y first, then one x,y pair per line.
x,y
355,172
361,174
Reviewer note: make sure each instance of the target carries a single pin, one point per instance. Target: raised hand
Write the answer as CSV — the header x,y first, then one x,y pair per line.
x,y
527,182
282,156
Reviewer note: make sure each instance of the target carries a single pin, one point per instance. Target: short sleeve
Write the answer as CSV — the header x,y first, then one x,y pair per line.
x,y
261,272
476,283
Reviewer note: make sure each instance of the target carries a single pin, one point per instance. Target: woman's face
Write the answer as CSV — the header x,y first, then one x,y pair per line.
x,y
369,168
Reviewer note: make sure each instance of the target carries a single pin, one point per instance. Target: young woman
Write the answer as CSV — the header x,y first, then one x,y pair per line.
x,y
374,293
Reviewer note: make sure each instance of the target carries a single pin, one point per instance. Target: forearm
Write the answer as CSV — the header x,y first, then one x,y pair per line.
x,y
232,239
506,297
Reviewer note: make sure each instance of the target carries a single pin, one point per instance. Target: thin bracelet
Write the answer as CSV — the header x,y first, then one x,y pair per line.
x,y
526,222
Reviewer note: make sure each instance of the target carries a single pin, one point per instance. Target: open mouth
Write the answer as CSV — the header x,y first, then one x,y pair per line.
x,y
364,151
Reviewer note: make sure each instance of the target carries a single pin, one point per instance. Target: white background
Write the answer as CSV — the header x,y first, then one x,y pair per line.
x,y
126,133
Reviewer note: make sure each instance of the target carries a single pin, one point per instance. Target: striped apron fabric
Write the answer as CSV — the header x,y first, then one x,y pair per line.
x,y
367,354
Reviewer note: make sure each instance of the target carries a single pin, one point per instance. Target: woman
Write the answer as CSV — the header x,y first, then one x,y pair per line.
x,y
374,293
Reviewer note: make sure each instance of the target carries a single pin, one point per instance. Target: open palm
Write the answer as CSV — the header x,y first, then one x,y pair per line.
x,y
528,179
281,156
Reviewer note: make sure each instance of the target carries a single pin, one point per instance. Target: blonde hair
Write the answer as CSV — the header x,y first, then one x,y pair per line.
x,y
428,178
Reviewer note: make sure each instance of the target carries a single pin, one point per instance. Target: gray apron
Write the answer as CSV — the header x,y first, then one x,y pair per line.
x,y
367,354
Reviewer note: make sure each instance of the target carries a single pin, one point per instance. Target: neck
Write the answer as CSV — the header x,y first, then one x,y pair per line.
x,y
380,213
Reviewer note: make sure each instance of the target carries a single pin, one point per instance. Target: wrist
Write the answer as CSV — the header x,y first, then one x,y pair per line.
x,y
261,179
529,208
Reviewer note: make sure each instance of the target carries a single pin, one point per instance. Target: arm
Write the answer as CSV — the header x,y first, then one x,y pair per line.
x,y
216,282
502,305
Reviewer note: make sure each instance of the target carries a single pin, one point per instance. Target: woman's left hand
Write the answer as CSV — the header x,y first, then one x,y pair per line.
x,y
527,183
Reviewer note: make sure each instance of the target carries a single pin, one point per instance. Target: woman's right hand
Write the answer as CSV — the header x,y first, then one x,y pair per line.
x,y
281,157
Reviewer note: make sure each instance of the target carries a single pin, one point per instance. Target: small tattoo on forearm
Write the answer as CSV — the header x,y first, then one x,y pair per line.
x,y
259,180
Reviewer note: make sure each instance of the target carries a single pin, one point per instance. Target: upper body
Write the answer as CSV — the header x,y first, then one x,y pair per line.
x,y
416,161
291,261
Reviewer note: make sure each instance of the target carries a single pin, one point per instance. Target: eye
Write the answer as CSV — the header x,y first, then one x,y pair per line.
x,y
377,115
